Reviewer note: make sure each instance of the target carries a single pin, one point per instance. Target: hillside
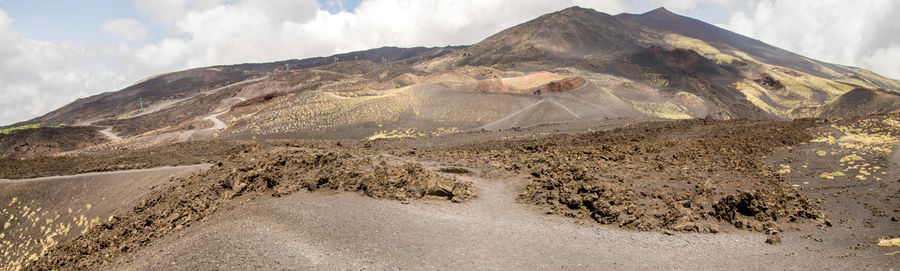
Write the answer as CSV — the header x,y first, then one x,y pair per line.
x,y
862,101
159,92
573,66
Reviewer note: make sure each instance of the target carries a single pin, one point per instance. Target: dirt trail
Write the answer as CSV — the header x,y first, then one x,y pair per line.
x,y
169,104
217,124
347,231
508,121
159,107
109,133
566,109
896,156
95,174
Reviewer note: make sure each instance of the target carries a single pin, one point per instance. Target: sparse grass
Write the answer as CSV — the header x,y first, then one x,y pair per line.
x,y
832,175
656,80
784,169
29,232
892,123
860,140
700,47
23,127
757,95
411,132
851,158
830,140
666,110
894,242
890,83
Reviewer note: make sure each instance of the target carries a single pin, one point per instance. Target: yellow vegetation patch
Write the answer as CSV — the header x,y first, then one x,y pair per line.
x,y
895,242
891,122
689,100
832,175
852,157
700,47
411,132
830,140
821,153
859,140
804,84
23,127
757,95
784,169
666,110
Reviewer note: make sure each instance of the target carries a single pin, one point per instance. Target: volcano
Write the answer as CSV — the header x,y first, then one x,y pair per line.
x,y
452,157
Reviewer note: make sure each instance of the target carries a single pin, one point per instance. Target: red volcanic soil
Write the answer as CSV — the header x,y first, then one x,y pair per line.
x,y
564,85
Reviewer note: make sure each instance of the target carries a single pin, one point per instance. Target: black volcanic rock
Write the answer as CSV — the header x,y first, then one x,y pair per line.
x,y
571,33
665,21
861,101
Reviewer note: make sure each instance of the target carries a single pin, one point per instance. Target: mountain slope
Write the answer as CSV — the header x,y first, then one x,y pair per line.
x,y
160,92
572,66
573,33
742,77
862,101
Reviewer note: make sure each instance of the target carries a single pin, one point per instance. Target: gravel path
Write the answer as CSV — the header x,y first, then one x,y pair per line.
x,y
348,231
109,133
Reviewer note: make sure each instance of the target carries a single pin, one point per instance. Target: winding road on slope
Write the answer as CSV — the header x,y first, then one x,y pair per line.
x,y
217,124
169,104
109,134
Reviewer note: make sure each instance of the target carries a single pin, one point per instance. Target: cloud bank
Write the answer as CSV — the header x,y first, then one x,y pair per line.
x,y
126,28
859,33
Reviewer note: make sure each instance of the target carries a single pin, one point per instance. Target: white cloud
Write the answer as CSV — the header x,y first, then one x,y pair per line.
x,y
39,76
685,5
126,28
861,33
257,30
885,60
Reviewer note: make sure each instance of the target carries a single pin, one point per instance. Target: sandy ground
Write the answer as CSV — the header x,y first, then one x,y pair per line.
x,y
70,202
347,231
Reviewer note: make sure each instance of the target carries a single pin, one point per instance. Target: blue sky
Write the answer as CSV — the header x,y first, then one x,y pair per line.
x,y
79,20
52,52
335,6
66,20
